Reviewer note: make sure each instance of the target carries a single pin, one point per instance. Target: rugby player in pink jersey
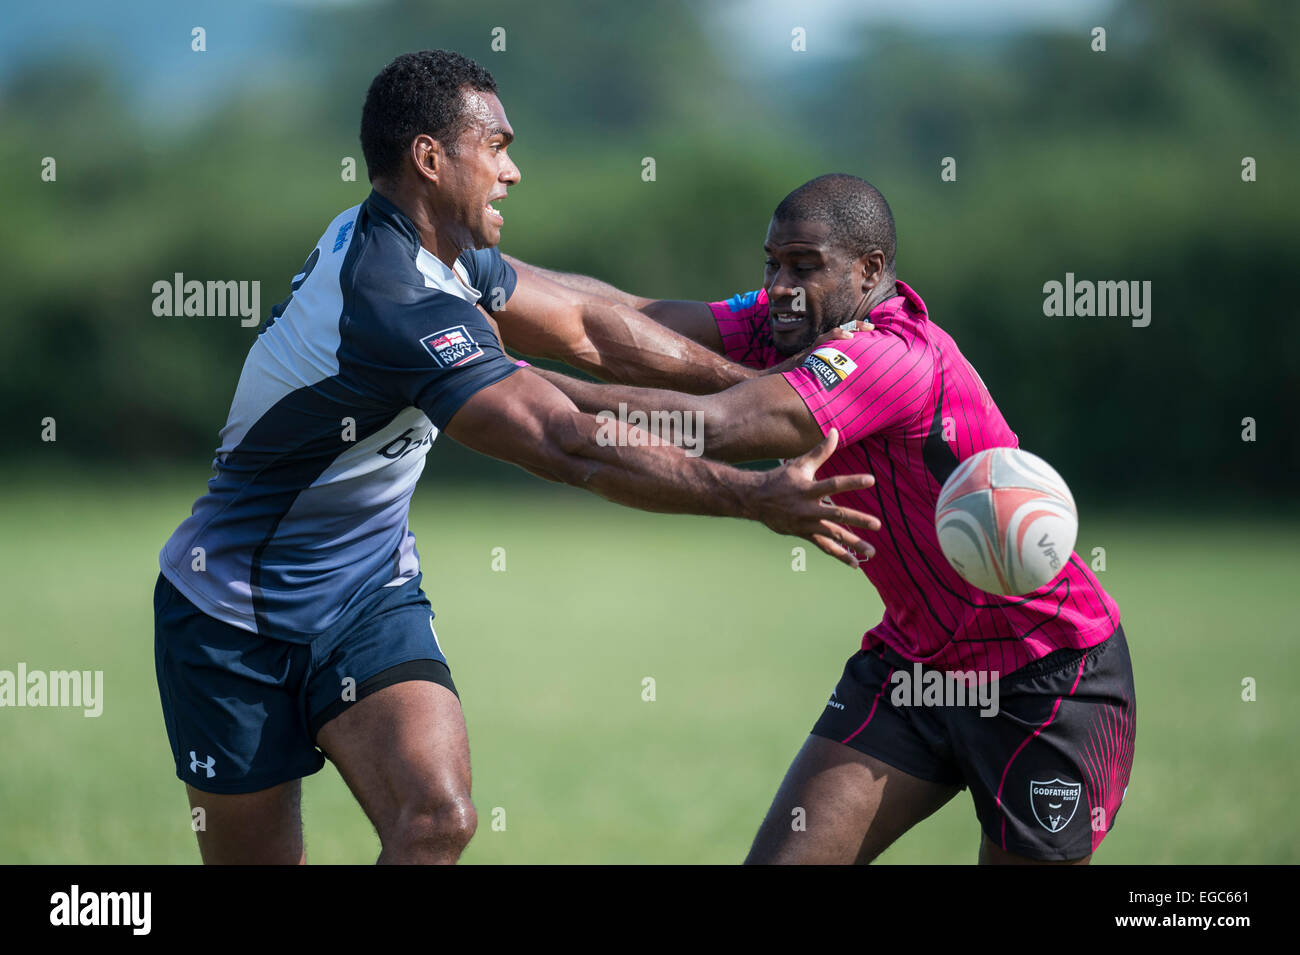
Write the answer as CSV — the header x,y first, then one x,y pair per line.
x,y
1046,746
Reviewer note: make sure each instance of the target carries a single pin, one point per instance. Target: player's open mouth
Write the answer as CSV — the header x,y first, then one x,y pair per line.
x,y
495,216
788,319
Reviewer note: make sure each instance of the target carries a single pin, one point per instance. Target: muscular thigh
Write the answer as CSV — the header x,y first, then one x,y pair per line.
x,y
402,747
257,828
868,773
839,806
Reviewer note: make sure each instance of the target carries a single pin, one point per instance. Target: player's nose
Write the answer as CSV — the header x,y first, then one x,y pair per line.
x,y
782,287
511,174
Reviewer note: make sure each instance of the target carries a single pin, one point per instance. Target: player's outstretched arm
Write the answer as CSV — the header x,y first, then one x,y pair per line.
x,y
586,285
694,320
758,419
595,327
526,421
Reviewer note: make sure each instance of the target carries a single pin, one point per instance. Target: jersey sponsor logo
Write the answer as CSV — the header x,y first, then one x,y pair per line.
x,y
1054,802
830,366
341,239
452,347
404,444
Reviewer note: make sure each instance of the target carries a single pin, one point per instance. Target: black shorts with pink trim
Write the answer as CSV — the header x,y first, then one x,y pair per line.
x,y
1046,750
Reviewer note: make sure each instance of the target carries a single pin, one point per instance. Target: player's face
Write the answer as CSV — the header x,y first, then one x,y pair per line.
x,y
478,174
802,269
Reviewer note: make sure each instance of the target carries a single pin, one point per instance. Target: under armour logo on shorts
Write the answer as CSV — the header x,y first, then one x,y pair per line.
x,y
195,764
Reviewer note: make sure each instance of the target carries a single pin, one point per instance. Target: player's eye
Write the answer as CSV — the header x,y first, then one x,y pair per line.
x,y
770,263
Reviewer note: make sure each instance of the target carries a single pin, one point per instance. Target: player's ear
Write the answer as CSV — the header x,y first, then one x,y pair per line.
x,y
428,156
872,266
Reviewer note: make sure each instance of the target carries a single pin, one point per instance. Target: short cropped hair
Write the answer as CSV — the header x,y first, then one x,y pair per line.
x,y
858,215
417,93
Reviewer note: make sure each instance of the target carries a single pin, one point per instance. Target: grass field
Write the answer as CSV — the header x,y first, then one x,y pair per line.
x,y
550,656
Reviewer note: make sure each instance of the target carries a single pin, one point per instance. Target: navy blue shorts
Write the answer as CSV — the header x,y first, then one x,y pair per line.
x,y
242,710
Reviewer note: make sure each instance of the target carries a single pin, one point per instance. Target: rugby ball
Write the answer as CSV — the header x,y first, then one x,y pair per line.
x,y
1006,521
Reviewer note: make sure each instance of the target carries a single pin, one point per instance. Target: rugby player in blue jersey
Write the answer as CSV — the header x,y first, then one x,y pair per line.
x,y
290,622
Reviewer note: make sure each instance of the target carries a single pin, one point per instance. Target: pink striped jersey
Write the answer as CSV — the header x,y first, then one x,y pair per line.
x,y
909,408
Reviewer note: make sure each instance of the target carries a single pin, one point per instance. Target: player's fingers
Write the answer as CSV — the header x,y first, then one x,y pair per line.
x,y
839,552
817,456
840,536
851,517
842,483
840,333
846,538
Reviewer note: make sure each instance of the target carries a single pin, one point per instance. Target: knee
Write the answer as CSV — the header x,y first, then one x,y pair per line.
x,y
433,829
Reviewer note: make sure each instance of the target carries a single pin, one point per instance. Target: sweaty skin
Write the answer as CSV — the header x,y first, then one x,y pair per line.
x,y
448,194
764,417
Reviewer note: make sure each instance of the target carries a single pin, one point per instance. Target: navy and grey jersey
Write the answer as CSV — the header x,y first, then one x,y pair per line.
x,y
344,390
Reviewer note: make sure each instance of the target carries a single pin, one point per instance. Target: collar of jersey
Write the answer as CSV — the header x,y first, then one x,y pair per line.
x,y
434,270
904,302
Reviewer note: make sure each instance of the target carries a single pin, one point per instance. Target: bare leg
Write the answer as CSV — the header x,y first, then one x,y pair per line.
x,y
853,807
404,753
261,828
990,854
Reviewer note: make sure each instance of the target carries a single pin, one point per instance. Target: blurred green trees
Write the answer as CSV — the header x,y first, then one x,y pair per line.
x,y
1120,165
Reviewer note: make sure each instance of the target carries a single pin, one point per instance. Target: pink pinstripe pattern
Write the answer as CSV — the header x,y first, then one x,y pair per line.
x,y
910,378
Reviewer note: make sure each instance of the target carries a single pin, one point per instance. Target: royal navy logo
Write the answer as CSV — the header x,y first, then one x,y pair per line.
x,y
452,346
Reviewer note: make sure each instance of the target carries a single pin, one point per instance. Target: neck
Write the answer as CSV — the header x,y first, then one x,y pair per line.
x,y
884,291
434,236
881,293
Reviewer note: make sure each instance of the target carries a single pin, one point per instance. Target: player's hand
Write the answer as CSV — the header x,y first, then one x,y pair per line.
x,y
792,501
838,333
